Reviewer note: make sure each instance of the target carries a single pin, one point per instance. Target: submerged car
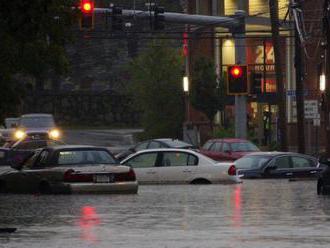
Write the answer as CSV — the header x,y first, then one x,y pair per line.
x,y
228,149
277,165
69,169
179,166
154,144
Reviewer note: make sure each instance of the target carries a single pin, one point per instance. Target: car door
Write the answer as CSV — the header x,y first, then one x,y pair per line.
x,y
144,165
304,167
279,167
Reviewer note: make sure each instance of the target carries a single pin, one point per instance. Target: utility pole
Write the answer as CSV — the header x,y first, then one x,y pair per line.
x,y
281,100
299,94
326,27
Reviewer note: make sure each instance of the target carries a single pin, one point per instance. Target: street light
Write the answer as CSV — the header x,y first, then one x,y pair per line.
x,y
186,84
322,82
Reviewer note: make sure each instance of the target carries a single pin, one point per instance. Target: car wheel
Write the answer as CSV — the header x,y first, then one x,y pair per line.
x,y
44,188
200,181
3,187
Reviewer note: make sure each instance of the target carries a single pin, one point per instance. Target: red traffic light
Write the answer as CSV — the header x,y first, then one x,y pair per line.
x,y
87,6
236,71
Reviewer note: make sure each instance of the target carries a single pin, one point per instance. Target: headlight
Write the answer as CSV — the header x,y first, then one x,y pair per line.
x,y
54,134
19,134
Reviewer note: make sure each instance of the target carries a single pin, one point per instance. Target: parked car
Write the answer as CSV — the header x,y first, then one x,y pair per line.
x,y
9,126
323,182
23,148
173,166
154,144
227,149
69,169
277,165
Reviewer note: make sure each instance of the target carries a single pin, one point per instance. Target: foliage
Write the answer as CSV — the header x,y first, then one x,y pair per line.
x,y
204,92
33,34
157,90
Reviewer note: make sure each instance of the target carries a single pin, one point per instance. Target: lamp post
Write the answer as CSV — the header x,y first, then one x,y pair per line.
x,y
186,96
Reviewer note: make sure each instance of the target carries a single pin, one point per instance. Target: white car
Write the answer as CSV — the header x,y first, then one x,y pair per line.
x,y
174,166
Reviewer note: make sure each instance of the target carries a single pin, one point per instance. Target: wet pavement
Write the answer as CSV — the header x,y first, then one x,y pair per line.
x,y
260,213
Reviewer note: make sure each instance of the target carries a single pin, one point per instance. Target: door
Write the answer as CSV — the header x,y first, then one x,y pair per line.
x,y
177,167
304,167
144,167
279,167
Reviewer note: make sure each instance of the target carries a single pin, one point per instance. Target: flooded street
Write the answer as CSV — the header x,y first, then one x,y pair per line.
x,y
263,213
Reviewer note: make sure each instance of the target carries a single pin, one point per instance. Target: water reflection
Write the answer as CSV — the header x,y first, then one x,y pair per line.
x,y
88,222
237,201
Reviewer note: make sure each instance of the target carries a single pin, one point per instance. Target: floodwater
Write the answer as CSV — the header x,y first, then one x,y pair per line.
x,y
260,213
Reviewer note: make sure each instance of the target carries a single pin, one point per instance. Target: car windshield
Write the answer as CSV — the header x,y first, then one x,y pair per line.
x,y
177,143
85,157
243,147
10,122
37,121
251,162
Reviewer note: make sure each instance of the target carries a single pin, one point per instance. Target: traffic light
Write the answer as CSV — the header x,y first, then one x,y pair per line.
x,y
159,18
116,18
87,17
237,80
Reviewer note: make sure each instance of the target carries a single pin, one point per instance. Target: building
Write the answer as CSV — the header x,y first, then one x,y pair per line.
x,y
262,101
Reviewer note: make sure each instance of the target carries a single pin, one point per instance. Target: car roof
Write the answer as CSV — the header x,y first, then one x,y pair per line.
x,y
36,115
230,140
65,147
166,150
277,153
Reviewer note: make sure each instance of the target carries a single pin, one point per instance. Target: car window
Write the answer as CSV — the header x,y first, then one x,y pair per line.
x,y
30,161
144,160
42,159
243,147
207,145
178,159
225,147
216,147
252,162
299,162
154,144
85,157
141,146
282,162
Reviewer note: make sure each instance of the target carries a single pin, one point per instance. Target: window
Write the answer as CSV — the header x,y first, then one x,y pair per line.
x,y
141,146
207,145
178,159
243,147
299,162
283,162
85,157
225,147
30,161
154,145
42,159
216,147
144,160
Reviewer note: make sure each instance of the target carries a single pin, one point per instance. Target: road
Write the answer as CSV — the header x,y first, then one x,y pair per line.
x,y
261,213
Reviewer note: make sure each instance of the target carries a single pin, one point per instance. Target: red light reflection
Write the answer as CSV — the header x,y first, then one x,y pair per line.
x,y
89,219
237,202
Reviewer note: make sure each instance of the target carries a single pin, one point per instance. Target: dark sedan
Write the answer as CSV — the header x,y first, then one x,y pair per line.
x,y
277,165
154,144
69,169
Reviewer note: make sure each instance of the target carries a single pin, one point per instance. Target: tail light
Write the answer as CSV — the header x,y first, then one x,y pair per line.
x,y
232,170
71,176
122,177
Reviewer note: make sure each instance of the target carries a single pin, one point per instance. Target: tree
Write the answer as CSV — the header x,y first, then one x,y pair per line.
x,y
204,88
157,90
33,35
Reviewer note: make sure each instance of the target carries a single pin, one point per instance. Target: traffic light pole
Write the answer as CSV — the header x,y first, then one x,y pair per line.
x,y
240,59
